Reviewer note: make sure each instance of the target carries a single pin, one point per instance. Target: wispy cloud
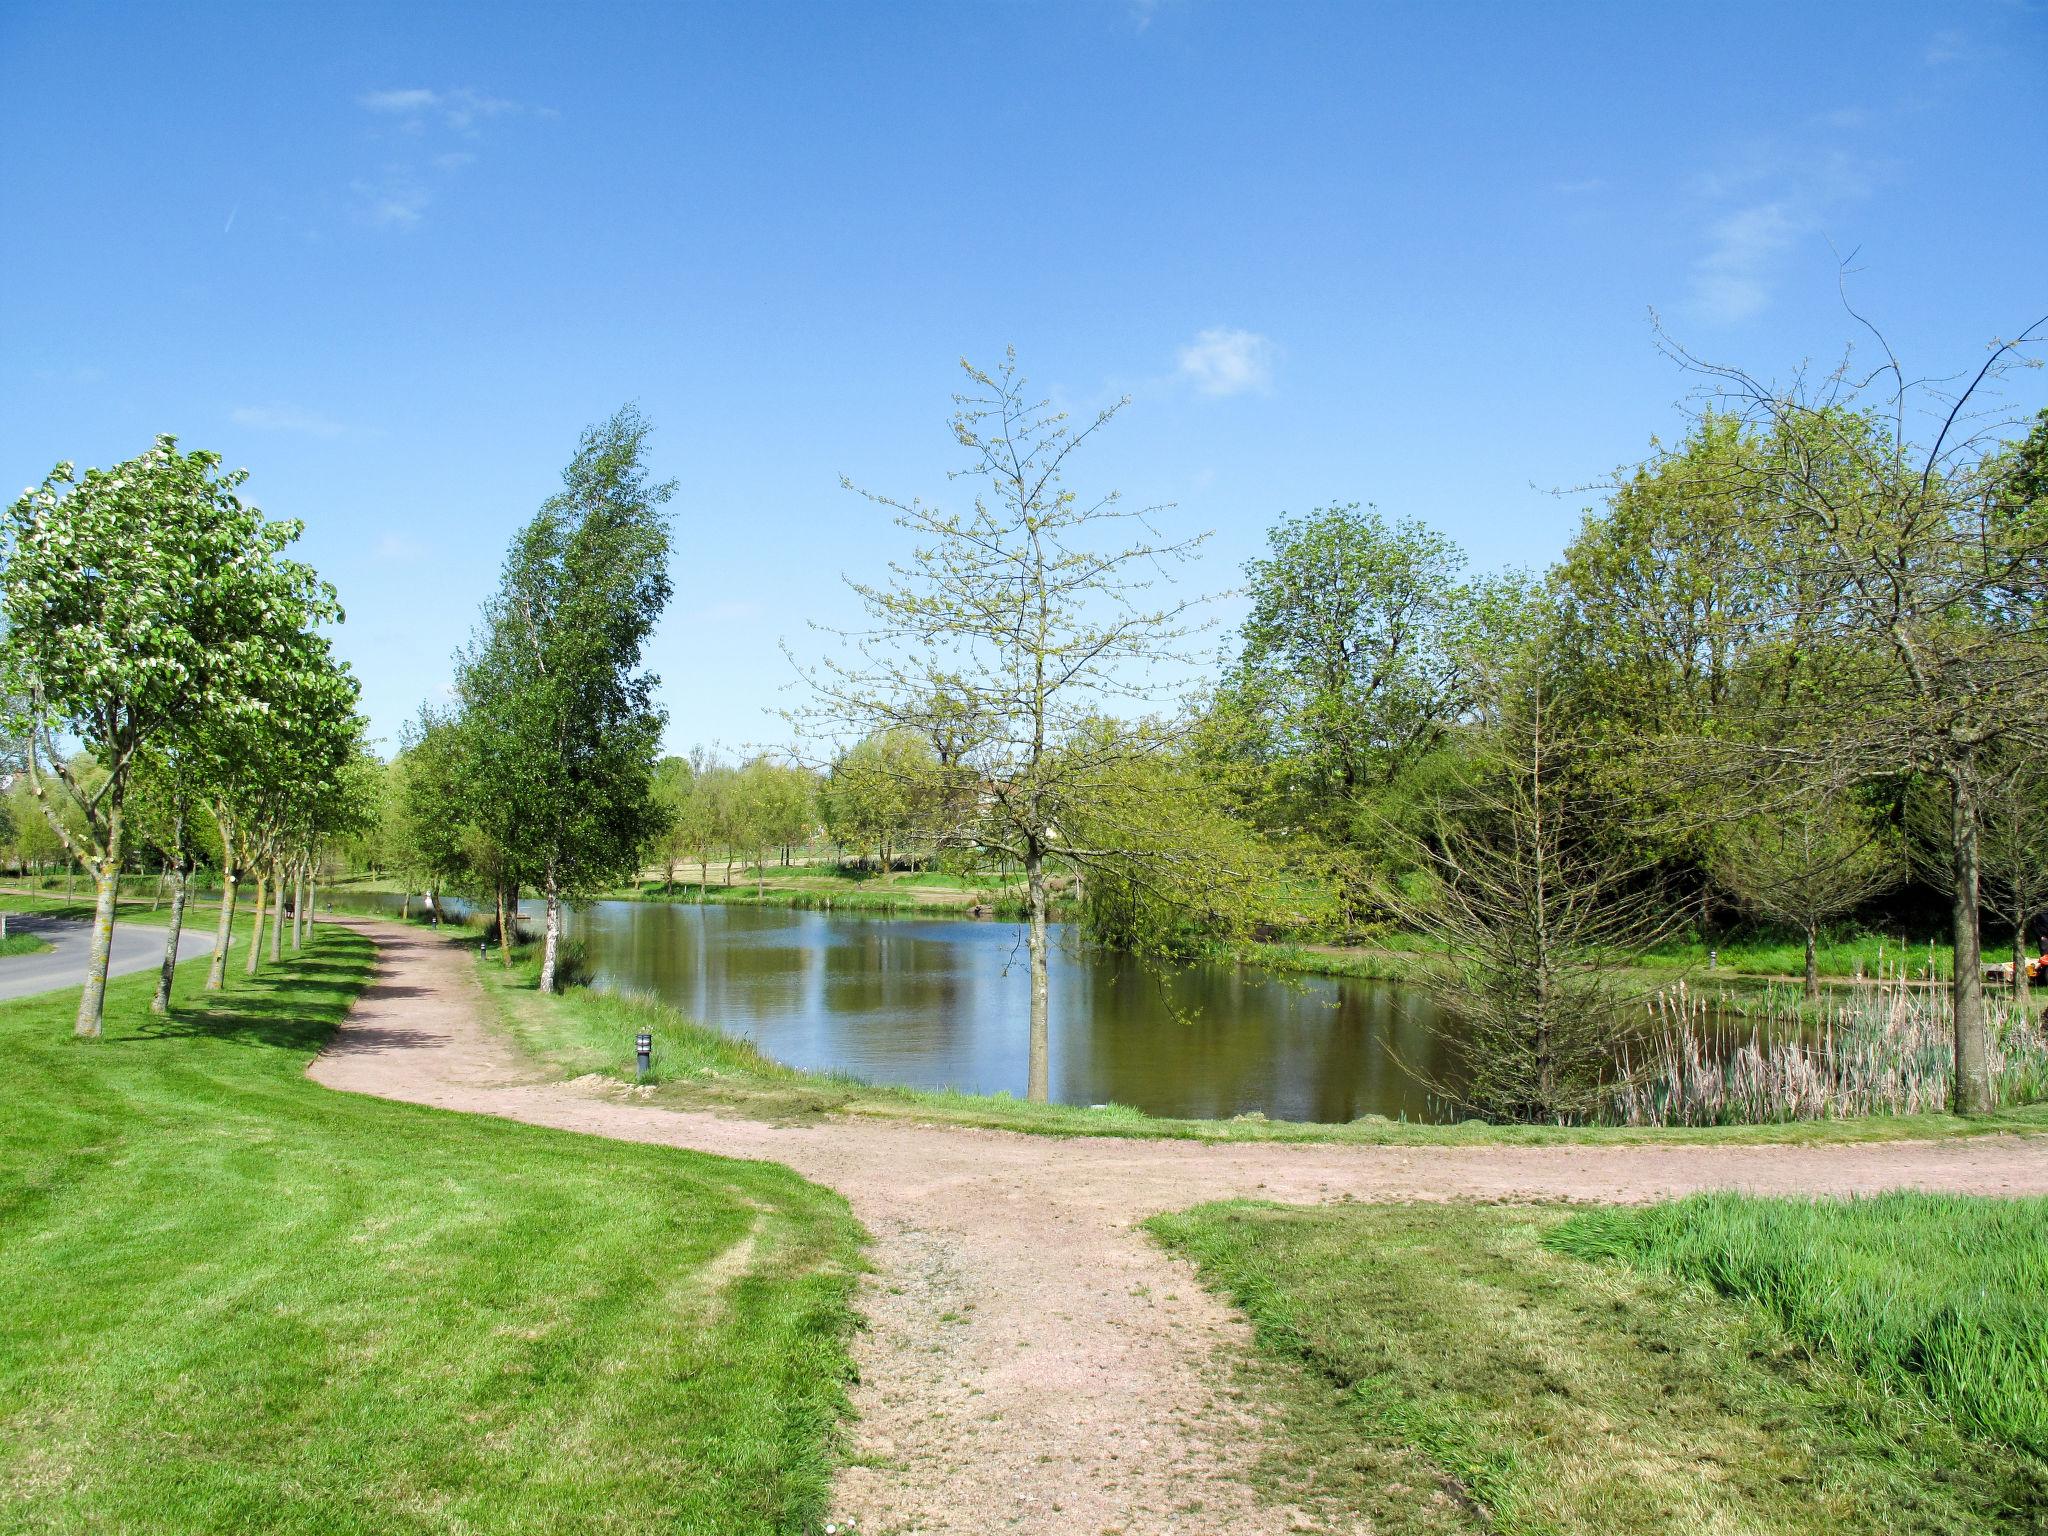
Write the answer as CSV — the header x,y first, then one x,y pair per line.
x,y
1228,362
285,418
1759,206
1732,281
416,126
414,106
398,549
1580,188
394,200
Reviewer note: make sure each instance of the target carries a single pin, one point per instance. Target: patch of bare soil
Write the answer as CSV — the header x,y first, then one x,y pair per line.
x,y
1032,1362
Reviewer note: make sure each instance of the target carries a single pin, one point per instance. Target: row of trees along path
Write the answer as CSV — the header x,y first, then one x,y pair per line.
x,y
154,620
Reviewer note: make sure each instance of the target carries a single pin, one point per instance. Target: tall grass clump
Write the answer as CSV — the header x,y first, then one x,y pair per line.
x,y
1883,1048
1940,1295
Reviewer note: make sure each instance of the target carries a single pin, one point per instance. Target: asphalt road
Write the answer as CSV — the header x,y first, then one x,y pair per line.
x,y
137,947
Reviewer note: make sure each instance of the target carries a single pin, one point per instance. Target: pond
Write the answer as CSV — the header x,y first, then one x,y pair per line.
x,y
943,1003
936,1003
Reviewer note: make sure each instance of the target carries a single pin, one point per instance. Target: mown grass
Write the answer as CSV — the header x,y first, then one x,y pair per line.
x,y
1940,1294
24,944
232,1300
1452,1370
584,1031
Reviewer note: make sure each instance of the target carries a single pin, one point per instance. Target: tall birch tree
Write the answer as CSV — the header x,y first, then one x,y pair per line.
x,y
562,729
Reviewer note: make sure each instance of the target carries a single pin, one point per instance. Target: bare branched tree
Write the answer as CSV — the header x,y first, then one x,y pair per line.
x,y
1888,553
1536,910
1014,630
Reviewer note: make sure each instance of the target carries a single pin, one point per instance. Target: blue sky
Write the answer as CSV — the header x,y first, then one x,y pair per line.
x,y
393,258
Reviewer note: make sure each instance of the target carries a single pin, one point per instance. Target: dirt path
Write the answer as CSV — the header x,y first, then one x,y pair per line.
x,y
1032,1362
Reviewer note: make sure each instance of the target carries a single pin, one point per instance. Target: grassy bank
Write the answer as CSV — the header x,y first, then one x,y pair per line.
x,y
24,944
583,1031
237,1301
1938,1295
1454,1371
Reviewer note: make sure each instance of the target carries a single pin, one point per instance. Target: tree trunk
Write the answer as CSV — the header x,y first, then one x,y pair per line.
x,y
434,904
512,914
1812,964
2019,967
1972,1095
106,887
224,932
405,905
551,941
312,896
161,1003
277,883
299,907
1038,1088
504,931
256,917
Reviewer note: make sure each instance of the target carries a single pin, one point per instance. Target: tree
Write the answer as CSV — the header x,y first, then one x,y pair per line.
x,y
436,832
674,789
1895,553
1355,659
1537,906
1807,862
876,792
563,729
1020,622
142,602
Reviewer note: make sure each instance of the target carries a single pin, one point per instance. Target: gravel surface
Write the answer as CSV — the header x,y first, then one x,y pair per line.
x,y
1032,1362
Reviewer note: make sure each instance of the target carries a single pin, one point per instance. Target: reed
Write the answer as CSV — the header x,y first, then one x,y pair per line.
x,y
1886,1047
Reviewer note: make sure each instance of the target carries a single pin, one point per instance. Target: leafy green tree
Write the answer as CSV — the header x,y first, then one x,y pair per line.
x,y
142,602
433,834
562,726
1355,659
1807,862
674,791
1894,556
878,790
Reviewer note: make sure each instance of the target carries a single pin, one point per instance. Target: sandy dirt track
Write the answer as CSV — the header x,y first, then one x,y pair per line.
x,y
1033,1362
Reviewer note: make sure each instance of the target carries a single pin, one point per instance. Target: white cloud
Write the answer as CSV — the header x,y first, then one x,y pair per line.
x,y
1580,187
1732,281
398,549
455,160
403,102
395,202
460,110
1228,362
285,418
1761,206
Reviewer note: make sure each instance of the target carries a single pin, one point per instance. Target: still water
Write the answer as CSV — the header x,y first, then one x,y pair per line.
x,y
935,1003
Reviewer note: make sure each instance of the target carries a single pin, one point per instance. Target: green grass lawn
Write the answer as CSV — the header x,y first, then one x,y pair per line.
x,y
1450,1369
24,944
234,1301
582,1031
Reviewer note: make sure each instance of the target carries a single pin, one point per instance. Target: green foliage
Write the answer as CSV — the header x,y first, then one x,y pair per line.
x,y
1938,1295
559,722
1355,659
